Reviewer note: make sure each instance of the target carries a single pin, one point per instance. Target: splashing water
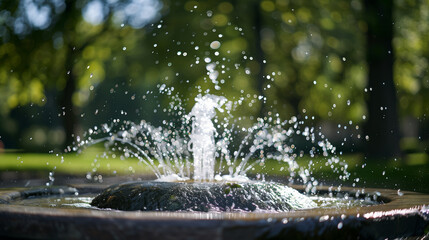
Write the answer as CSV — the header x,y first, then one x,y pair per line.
x,y
204,148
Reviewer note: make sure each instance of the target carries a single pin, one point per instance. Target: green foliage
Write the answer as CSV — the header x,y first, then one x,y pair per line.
x,y
412,52
319,49
312,61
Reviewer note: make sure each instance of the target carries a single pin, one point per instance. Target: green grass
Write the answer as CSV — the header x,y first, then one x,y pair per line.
x,y
71,163
411,173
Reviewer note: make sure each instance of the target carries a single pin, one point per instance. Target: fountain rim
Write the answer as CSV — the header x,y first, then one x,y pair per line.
x,y
408,203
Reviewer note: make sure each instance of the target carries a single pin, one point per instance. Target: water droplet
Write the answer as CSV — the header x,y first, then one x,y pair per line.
x,y
215,44
324,218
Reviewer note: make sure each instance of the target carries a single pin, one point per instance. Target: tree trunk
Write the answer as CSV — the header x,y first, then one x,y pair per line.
x,y
68,112
259,54
67,109
382,130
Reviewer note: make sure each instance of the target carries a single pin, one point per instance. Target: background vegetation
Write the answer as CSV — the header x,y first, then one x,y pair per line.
x,y
360,68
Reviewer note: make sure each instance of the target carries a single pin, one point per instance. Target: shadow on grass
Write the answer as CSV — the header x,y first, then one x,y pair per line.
x,y
410,173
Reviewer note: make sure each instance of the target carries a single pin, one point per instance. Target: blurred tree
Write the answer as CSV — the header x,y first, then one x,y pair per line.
x,y
45,44
306,58
309,45
411,69
382,129
209,47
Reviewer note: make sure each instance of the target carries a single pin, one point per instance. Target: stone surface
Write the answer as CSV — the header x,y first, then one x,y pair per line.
x,y
202,197
404,216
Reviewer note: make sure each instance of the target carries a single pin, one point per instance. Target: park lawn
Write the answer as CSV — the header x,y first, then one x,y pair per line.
x,y
71,163
409,174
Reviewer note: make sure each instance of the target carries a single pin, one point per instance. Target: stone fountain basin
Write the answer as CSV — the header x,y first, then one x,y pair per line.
x,y
396,216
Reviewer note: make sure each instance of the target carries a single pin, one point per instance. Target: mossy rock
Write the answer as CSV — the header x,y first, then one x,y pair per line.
x,y
202,196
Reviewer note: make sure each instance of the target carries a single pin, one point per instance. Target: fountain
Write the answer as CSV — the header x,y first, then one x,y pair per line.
x,y
203,189
206,203
206,192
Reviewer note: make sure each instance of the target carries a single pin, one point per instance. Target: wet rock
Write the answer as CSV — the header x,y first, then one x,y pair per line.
x,y
202,196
